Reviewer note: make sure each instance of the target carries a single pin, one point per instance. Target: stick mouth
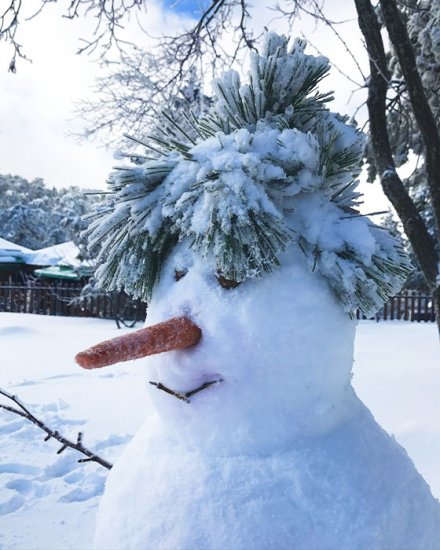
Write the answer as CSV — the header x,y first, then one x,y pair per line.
x,y
185,396
175,334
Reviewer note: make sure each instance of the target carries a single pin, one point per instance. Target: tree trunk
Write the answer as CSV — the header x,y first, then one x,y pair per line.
x,y
423,244
422,112
436,303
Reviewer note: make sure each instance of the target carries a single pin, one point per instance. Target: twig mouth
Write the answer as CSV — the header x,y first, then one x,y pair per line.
x,y
185,396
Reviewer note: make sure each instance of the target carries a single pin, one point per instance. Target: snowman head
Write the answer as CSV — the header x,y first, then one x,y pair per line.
x,y
267,169
256,198
269,363
281,345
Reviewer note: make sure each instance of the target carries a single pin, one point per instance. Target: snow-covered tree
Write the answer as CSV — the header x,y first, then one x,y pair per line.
x,y
35,216
271,167
129,96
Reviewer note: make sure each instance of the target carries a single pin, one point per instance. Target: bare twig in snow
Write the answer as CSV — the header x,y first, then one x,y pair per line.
x,y
23,411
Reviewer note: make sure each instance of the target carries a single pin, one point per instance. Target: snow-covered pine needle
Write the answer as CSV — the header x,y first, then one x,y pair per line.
x,y
267,167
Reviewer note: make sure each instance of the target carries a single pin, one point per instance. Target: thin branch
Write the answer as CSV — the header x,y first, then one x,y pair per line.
x,y
110,17
77,446
299,6
339,37
317,13
340,71
378,213
9,21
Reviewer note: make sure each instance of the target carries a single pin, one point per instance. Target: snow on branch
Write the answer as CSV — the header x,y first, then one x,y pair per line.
x,y
23,411
268,166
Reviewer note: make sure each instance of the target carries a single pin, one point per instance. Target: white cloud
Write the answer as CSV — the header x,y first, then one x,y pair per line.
x,y
37,102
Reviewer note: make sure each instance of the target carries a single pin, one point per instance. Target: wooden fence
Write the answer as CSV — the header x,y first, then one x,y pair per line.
x,y
409,305
64,298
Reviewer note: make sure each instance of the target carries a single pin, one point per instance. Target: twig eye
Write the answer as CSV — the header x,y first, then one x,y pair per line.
x,y
180,273
226,283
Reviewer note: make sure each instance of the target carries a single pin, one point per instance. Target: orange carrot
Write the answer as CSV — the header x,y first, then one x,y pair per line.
x,y
176,333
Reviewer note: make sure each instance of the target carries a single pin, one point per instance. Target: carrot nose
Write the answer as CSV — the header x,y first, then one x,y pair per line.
x,y
176,333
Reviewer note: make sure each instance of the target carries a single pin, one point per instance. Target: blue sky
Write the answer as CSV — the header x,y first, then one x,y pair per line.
x,y
188,7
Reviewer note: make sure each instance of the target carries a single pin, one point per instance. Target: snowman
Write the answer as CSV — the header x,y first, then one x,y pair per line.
x,y
242,232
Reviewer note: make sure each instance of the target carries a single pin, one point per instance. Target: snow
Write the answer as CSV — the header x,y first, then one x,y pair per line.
x,y
8,245
397,373
54,497
11,252
109,406
283,440
64,253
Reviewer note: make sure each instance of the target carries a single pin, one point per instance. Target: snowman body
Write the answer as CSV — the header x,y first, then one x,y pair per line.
x,y
281,454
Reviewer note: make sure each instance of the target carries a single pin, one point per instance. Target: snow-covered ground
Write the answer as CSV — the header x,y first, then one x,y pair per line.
x,y
49,501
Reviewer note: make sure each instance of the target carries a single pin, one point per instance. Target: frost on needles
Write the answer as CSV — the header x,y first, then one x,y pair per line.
x,y
267,168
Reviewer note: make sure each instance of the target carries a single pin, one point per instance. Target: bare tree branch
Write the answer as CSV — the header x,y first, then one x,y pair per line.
x,y
336,66
186,51
110,17
9,20
23,411
131,96
129,99
316,12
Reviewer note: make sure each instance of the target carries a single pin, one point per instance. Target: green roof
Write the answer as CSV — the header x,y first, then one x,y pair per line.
x,y
63,272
